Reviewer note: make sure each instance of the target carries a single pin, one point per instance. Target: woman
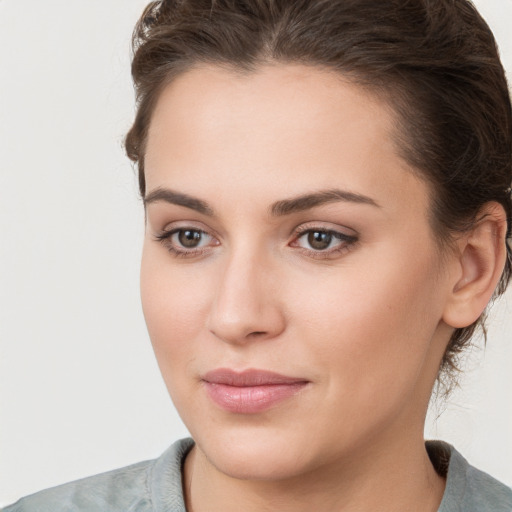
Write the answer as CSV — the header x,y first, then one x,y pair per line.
x,y
327,196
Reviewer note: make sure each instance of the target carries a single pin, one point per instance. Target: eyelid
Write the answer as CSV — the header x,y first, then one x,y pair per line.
x,y
326,227
348,241
164,236
168,233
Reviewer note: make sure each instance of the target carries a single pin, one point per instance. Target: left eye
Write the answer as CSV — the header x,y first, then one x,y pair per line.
x,y
321,240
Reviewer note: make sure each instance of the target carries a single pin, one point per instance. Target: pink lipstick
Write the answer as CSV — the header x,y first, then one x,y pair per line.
x,y
250,391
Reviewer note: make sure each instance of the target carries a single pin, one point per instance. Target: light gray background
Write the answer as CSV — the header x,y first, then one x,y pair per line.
x,y
80,391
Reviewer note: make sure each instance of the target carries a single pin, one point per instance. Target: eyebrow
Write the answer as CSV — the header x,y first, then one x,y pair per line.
x,y
278,209
177,198
308,201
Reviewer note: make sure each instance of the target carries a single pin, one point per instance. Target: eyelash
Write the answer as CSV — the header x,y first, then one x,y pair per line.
x,y
348,241
165,236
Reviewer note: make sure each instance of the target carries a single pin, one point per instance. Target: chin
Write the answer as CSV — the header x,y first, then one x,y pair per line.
x,y
255,454
256,464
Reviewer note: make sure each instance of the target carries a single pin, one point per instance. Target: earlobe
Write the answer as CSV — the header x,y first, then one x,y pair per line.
x,y
481,260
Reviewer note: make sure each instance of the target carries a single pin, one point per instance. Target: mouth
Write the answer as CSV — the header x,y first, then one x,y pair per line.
x,y
250,391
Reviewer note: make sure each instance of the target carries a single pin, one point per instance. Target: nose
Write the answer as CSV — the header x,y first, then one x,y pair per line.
x,y
246,305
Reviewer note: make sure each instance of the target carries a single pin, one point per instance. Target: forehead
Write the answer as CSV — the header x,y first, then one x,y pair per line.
x,y
293,126
292,99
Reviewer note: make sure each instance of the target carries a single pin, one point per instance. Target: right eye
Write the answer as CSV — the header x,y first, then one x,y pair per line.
x,y
189,238
186,241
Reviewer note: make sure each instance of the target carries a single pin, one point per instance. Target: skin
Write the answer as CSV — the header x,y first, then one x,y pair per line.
x,y
365,321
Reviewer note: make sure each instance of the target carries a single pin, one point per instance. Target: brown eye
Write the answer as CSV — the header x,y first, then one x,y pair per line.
x,y
324,242
319,240
187,242
189,238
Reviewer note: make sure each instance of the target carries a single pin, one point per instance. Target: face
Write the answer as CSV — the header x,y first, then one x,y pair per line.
x,y
291,284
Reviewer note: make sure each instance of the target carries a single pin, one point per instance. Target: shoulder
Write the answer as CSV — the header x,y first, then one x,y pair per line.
x,y
117,490
483,492
467,488
139,487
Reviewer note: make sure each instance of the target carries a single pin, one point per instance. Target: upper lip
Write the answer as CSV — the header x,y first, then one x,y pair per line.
x,y
246,378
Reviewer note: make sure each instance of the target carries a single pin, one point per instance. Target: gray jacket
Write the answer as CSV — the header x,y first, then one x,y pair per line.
x,y
155,486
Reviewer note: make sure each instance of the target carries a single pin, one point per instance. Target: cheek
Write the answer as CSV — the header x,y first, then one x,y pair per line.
x,y
174,305
372,329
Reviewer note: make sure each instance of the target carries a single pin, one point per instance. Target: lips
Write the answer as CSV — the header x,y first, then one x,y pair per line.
x,y
251,391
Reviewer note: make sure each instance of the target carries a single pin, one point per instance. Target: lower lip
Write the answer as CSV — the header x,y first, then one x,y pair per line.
x,y
251,399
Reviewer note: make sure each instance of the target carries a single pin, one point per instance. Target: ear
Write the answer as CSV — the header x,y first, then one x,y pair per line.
x,y
480,262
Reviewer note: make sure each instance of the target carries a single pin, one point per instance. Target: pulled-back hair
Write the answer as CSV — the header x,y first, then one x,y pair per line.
x,y
434,61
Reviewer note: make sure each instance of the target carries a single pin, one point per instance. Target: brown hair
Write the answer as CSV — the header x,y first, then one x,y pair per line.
x,y
434,61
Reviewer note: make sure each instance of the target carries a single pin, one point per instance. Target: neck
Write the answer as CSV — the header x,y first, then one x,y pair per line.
x,y
387,477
